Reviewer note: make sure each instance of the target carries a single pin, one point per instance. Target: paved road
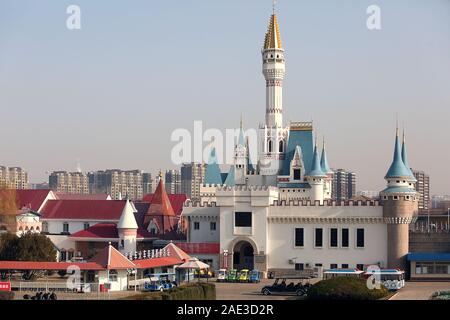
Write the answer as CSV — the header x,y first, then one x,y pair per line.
x,y
247,291
420,290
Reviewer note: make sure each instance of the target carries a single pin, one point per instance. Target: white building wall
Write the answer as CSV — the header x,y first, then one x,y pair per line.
x,y
282,246
56,226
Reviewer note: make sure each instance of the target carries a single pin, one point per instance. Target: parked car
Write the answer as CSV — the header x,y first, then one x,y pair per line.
x,y
153,285
232,275
255,276
221,275
280,286
243,275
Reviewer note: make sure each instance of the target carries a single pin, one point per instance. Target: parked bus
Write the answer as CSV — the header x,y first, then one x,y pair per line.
x,y
391,279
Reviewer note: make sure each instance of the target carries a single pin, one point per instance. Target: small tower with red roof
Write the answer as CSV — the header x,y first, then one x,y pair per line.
x,y
127,229
160,218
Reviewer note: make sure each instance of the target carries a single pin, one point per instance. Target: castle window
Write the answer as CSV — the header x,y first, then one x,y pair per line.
x,y
344,266
86,225
344,238
318,237
395,197
212,226
243,219
196,225
299,237
333,238
360,266
299,266
333,266
281,146
297,174
65,227
385,197
360,238
270,145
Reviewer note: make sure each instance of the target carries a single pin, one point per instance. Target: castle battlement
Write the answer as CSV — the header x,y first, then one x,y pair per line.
x,y
199,204
326,203
246,188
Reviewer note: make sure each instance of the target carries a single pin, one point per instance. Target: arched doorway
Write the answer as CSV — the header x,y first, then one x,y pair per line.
x,y
243,256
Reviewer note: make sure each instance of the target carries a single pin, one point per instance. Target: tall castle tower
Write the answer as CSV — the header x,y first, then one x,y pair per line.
x,y
273,136
400,206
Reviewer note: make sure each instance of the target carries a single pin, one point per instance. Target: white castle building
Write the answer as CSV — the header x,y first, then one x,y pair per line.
x,y
277,214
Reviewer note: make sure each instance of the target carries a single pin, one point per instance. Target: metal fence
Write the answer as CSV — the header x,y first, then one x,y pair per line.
x,y
432,227
55,287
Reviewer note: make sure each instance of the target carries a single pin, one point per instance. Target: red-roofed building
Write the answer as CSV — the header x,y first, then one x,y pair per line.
x,y
31,199
69,196
111,267
23,208
208,252
176,200
160,218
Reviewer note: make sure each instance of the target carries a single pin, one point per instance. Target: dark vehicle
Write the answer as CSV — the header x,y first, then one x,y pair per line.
x,y
288,285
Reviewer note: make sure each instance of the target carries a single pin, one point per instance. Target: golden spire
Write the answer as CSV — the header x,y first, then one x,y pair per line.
x,y
273,39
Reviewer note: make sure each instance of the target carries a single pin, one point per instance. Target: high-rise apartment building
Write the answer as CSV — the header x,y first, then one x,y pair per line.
x,y
192,177
117,183
423,187
173,181
69,182
13,178
147,183
344,185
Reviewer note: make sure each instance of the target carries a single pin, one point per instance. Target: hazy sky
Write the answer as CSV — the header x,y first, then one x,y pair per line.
x,y
111,93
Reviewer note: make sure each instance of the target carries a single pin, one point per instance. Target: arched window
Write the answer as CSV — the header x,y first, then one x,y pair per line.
x,y
281,146
270,145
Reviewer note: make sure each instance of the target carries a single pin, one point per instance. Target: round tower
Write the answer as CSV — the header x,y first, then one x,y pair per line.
x,y
316,178
272,135
127,229
400,207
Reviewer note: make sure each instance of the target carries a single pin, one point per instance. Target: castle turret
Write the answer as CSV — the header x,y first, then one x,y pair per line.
x,y
328,172
240,158
127,229
272,134
316,178
400,207
412,181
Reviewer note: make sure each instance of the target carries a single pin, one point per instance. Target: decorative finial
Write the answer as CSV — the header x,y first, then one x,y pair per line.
x,y
160,173
396,130
241,124
274,2
324,142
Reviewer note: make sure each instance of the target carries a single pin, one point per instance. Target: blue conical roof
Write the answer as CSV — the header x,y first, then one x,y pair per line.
x,y
405,158
230,180
212,173
316,169
398,168
324,161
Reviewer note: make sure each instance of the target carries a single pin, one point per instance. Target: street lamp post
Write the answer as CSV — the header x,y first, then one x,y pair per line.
x,y
448,220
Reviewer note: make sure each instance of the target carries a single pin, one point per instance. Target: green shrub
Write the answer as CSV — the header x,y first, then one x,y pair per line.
x,y
6,295
345,288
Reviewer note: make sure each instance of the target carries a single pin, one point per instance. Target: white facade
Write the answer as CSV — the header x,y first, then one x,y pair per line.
x,y
272,230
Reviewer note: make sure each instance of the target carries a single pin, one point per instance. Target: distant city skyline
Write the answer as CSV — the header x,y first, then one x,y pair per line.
x,y
109,95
